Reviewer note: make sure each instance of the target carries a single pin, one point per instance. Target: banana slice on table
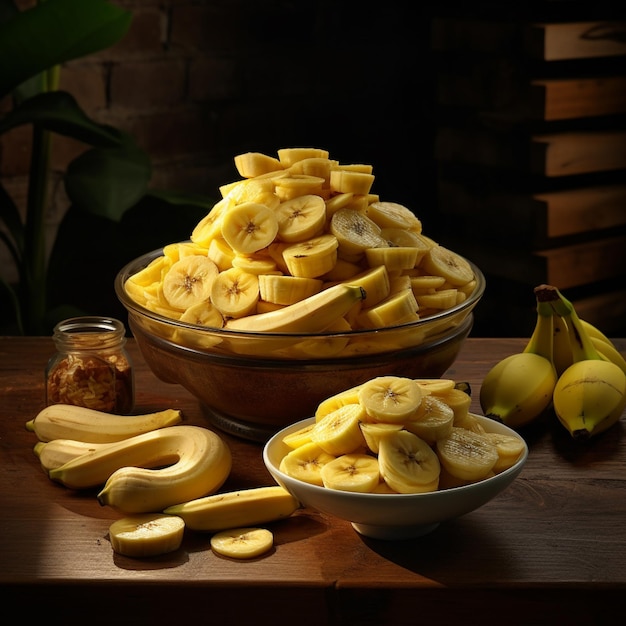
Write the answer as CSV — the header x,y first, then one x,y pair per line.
x,y
242,543
146,534
305,463
189,281
408,464
393,399
311,258
301,218
249,227
235,293
441,261
352,472
466,454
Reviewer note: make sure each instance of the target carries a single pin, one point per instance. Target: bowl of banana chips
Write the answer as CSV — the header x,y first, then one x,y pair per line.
x,y
299,282
396,457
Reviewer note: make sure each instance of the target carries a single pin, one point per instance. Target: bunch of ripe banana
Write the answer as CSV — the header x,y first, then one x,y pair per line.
x,y
568,366
397,435
152,469
301,245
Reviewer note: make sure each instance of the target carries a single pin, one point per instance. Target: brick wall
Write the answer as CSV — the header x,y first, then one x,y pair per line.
x,y
198,81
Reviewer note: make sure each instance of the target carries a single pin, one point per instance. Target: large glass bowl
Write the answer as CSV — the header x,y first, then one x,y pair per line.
x,y
254,384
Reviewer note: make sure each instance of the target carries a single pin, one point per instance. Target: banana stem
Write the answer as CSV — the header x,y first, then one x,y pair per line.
x,y
580,341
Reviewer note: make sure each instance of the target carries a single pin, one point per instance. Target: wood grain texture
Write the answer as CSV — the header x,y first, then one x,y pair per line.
x,y
548,550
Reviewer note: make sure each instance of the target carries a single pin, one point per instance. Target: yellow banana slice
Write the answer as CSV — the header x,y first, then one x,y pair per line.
x,y
338,432
301,218
189,281
404,238
395,258
249,227
397,308
305,463
146,534
441,299
437,386
426,284
251,164
509,448
314,166
235,293
434,420
352,472
328,344
286,289
242,543
297,185
375,282
299,437
210,226
440,261
313,257
345,180
337,400
374,431
460,402
255,263
393,399
408,464
355,233
221,253
203,314
466,454
394,215
289,156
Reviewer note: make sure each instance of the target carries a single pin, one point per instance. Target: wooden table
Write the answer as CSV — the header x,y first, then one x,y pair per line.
x,y
549,550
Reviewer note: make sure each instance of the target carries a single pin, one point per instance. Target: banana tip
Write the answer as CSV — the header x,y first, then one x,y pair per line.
x,y
30,425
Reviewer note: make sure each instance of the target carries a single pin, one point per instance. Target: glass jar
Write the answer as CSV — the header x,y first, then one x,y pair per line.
x,y
91,367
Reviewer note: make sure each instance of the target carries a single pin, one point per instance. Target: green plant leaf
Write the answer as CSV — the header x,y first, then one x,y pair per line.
x,y
108,181
80,27
58,111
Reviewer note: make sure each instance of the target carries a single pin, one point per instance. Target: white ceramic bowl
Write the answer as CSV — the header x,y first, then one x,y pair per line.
x,y
392,516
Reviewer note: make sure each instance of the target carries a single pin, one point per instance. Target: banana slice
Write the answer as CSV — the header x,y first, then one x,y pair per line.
x,y
203,314
402,237
249,227
299,437
338,432
242,543
408,464
297,185
434,421
337,400
149,534
189,281
467,455
398,308
305,463
355,233
327,344
311,258
235,293
352,472
441,299
346,180
440,261
286,289
374,431
256,263
392,399
437,386
509,448
210,226
289,156
460,402
221,253
251,164
375,282
301,218
395,259
394,215
426,284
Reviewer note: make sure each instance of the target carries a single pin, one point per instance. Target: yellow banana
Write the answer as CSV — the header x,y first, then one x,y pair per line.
x,y
311,315
235,509
52,454
146,534
192,461
609,352
66,421
590,394
397,308
518,389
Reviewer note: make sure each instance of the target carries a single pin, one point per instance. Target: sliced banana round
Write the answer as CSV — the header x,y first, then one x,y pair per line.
x,y
330,404
311,258
203,314
434,420
249,227
235,292
189,281
242,543
144,535
466,454
301,218
374,431
251,164
397,308
355,233
440,261
509,448
352,472
394,215
393,399
395,258
408,464
305,463
285,289
338,432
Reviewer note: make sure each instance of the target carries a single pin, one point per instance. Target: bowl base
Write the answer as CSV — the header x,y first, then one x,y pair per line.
x,y
391,533
238,428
